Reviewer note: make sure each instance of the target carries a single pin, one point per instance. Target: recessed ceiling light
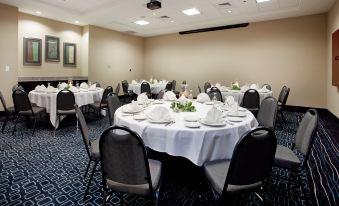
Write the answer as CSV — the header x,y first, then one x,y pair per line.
x,y
229,11
38,12
154,13
262,1
77,22
172,21
190,12
141,22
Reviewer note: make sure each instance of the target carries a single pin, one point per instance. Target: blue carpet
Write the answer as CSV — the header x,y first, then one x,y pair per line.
x,y
47,170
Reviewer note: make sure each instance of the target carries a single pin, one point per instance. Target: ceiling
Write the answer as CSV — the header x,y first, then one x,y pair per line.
x,y
120,15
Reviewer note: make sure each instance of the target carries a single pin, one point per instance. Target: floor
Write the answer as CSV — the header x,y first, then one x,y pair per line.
x,y
48,170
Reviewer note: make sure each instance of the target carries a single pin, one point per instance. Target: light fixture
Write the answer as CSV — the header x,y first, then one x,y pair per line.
x,y
141,22
154,14
262,1
229,11
76,21
172,21
38,12
190,12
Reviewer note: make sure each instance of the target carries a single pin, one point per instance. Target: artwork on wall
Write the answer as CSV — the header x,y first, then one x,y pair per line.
x,y
32,51
70,54
52,51
335,58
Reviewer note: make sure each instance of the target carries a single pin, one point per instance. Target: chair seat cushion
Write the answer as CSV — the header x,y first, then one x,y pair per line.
x,y
95,153
216,172
96,105
66,112
285,157
143,189
36,110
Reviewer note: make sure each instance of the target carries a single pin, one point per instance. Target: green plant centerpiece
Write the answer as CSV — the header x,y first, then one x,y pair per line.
x,y
186,107
235,86
68,87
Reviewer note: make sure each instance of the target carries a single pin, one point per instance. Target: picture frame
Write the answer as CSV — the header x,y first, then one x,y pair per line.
x,y
32,51
52,49
70,54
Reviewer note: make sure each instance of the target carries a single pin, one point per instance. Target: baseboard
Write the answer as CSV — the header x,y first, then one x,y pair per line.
x,y
321,111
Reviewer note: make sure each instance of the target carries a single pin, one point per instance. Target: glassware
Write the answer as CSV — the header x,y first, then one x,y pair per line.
x,y
59,84
214,99
190,96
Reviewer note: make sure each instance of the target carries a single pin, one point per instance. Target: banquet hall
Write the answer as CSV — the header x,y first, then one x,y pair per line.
x,y
169,102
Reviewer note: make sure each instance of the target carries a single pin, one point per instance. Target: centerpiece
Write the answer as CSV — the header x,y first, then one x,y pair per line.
x,y
184,107
235,86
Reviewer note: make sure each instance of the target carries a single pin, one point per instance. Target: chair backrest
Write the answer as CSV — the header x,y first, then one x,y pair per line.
x,y
267,86
207,85
252,158
97,84
113,103
117,89
268,112
251,99
17,86
2,99
84,129
184,82
65,100
199,88
306,133
124,84
174,84
124,158
283,95
108,90
215,91
21,101
160,95
169,86
145,88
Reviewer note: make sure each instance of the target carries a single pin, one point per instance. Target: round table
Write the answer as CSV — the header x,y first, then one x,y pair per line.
x,y
238,95
199,145
48,100
155,88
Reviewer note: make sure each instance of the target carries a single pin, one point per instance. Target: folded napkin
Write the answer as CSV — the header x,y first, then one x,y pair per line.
x,y
84,85
183,99
223,89
213,116
254,86
142,98
229,100
132,107
170,96
41,88
203,97
134,82
73,89
63,85
217,85
155,81
244,88
159,114
264,89
93,87
51,89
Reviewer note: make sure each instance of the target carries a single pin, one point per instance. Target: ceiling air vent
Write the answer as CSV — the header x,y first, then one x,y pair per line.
x,y
225,4
164,17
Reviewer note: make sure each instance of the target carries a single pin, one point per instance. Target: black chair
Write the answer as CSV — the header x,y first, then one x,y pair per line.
x,y
92,147
251,101
97,84
268,112
174,83
206,86
23,107
303,142
125,165
145,88
214,91
9,111
117,89
128,94
16,87
160,95
250,166
102,104
282,100
169,86
184,82
65,105
199,88
267,86
113,103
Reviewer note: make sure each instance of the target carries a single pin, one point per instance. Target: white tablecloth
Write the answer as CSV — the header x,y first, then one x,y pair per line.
x,y
155,88
198,145
238,95
48,100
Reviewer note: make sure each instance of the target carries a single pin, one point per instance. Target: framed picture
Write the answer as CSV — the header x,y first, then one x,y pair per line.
x,y
32,51
70,51
52,51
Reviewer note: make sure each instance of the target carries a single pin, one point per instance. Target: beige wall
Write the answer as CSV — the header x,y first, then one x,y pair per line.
x,y
112,54
37,27
289,51
8,51
332,91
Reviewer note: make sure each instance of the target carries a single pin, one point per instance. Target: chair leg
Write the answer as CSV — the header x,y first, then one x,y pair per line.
x,y
34,125
4,124
90,180
16,122
282,116
88,165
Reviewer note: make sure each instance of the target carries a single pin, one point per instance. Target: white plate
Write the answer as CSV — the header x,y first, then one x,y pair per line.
x,y
158,102
219,124
234,119
224,108
192,124
242,109
191,118
236,114
131,112
159,122
139,117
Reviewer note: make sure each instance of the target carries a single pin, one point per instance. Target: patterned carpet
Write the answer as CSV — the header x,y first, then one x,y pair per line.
x,y
47,170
